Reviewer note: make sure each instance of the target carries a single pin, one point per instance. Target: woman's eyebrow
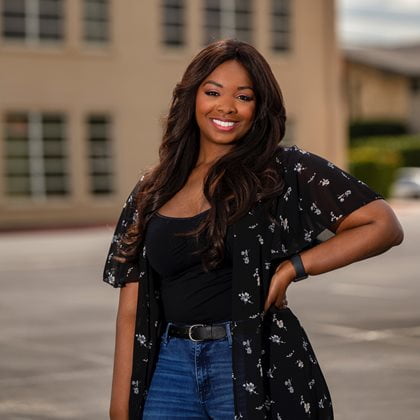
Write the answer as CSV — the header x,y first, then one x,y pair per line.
x,y
212,82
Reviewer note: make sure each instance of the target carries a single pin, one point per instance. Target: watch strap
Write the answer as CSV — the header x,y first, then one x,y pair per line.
x,y
296,261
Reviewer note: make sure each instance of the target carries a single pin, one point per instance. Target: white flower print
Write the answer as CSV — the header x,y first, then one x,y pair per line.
x,y
289,386
267,265
143,341
250,387
135,386
245,255
253,226
300,363
305,344
298,167
279,322
278,417
259,366
311,383
245,297
265,405
271,226
260,239
256,275
306,405
286,195
247,345
144,251
110,278
324,182
283,249
290,354
343,196
334,217
284,223
345,175
311,178
276,339
315,209
331,165
308,235
270,371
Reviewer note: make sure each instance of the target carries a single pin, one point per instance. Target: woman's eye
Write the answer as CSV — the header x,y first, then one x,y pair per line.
x,y
245,98
211,93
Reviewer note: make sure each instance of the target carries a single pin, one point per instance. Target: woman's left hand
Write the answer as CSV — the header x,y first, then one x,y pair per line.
x,y
280,281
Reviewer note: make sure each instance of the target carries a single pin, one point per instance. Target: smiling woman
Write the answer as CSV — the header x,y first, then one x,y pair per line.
x,y
208,243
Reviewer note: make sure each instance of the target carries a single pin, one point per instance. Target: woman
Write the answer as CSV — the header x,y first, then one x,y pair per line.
x,y
208,243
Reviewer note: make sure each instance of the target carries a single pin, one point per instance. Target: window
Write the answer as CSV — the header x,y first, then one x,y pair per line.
x,y
227,19
280,25
173,22
33,20
96,20
36,158
100,154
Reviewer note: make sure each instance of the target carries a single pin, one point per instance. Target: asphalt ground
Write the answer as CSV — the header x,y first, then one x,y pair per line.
x,y
57,323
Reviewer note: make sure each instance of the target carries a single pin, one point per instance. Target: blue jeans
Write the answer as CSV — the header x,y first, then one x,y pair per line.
x,y
192,379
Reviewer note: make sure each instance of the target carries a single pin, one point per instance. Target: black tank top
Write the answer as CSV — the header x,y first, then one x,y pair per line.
x,y
189,295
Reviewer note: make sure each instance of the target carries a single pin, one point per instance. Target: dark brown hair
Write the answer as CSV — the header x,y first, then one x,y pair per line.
x,y
239,178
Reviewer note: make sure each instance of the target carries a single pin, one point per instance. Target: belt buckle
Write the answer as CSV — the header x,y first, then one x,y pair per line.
x,y
190,330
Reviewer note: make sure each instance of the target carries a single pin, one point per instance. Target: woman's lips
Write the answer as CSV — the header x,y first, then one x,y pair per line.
x,y
223,125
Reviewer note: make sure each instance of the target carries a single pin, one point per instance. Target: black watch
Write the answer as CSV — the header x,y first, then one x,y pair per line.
x,y
296,261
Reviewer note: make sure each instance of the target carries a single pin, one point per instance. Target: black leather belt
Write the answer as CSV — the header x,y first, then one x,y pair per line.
x,y
198,332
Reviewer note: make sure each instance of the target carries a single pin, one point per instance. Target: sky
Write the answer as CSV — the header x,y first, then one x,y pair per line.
x,y
378,22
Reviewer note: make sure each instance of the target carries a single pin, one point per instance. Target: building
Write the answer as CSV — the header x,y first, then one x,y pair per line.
x,y
384,83
85,84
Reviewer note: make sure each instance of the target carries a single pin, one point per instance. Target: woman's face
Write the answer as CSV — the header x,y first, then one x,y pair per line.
x,y
225,104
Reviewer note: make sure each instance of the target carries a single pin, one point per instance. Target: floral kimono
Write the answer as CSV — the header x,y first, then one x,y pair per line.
x,y
275,372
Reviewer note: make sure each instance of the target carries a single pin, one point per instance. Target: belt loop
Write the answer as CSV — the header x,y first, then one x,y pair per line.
x,y
229,333
165,333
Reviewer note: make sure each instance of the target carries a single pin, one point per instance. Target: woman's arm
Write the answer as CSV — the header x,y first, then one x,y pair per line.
x,y
367,231
124,338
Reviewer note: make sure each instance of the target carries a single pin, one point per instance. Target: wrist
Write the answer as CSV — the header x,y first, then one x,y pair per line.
x,y
299,269
287,271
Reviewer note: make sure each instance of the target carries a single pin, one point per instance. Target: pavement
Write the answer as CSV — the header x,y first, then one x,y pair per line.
x,y
57,323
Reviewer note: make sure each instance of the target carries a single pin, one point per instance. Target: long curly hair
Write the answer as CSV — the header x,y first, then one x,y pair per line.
x,y
238,179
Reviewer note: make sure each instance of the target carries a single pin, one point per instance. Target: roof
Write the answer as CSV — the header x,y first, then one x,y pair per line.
x,y
404,59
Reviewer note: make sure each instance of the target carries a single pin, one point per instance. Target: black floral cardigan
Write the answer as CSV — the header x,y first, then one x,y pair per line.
x,y
275,371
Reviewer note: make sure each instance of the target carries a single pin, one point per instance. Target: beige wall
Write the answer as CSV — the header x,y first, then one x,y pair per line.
x,y
374,93
133,77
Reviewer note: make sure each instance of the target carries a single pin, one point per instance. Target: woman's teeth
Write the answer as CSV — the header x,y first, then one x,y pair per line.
x,y
224,123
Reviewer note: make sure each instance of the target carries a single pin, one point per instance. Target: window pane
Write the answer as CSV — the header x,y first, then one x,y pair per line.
x,y
13,7
280,25
18,186
16,166
173,12
100,154
14,27
36,160
96,20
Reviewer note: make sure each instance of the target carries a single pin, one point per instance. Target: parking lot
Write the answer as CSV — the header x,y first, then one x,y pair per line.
x,y
57,323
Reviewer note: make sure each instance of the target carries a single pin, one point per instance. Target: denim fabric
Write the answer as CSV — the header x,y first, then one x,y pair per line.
x,y
192,379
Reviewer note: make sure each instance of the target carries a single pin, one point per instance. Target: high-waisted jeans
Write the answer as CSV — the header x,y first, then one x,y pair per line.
x,y
192,379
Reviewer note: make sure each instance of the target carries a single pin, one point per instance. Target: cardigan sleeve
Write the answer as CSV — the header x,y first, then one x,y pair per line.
x,y
119,268
316,195
326,192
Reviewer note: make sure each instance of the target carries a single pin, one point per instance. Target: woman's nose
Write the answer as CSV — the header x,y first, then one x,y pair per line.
x,y
226,107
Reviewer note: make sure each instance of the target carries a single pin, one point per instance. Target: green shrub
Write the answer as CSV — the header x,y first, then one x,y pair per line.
x,y
375,166
408,147
366,128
